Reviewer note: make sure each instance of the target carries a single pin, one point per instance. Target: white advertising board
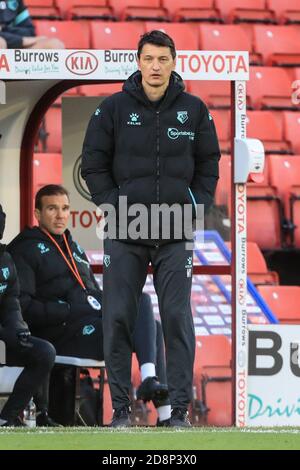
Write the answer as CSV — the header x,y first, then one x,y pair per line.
x,y
274,375
116,64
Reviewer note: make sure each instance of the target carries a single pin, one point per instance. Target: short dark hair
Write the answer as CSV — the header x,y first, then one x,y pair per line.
x,y
49,190
157,38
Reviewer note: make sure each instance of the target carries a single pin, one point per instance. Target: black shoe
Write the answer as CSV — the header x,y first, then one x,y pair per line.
x,y
43,419
15,423
166,423
121,418
152,389
179,418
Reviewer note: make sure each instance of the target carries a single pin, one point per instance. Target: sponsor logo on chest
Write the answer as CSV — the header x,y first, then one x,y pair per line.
x,y
134,120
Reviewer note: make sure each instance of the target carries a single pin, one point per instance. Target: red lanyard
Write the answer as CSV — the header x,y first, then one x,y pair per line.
x,y
73,268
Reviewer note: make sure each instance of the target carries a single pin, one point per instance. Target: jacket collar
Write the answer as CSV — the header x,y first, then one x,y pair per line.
x,y
133,86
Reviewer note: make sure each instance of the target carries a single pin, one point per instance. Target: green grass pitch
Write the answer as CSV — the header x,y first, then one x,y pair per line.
x,y
149,439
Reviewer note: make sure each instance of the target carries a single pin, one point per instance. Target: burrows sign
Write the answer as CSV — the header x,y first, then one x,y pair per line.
x,y
117,64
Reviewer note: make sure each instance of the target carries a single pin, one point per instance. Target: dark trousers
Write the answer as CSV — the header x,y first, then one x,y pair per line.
x,y
123,281
37,362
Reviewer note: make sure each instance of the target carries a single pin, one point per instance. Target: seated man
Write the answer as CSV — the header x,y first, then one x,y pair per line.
x,y
22,350
61,299
17,30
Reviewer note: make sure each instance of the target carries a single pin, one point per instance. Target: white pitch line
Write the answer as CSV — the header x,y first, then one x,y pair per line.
x,y
145,431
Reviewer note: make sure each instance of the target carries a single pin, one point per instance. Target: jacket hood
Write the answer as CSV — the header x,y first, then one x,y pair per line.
x,y
34,233
133,86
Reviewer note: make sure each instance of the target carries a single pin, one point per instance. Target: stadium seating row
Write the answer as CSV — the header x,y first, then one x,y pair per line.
x,y
267,44
266,11
273,206
268,88
284,301
279,131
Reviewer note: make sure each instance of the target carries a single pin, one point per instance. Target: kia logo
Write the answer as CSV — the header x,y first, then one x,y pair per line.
x,y
241,292
241,96
82,63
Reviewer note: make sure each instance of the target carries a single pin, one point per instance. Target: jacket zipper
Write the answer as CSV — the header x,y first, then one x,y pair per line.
x,y
157,156
157,160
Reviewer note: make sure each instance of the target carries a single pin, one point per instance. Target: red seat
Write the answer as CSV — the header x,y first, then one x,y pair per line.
x,y
285,11
269,88
47,169
295,73
264,217
224,183
43,9
248,10
193,10
72,33
257,267
279,45
295,214
214,351
212,375
291,129
86,9
101,89
53,128
264,126
115,35
185,37
139,10
285,177
284,301
222,123
227,37
284,174
215,94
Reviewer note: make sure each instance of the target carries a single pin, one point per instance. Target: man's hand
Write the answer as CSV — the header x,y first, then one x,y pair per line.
x,y
15,337
24,337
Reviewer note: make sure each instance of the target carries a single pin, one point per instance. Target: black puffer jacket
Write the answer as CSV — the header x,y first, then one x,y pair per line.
x,y
10,310
52,300
15,23
153,156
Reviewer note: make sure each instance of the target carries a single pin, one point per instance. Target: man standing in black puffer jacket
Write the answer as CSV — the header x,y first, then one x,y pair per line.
x,y
22,350
155,145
